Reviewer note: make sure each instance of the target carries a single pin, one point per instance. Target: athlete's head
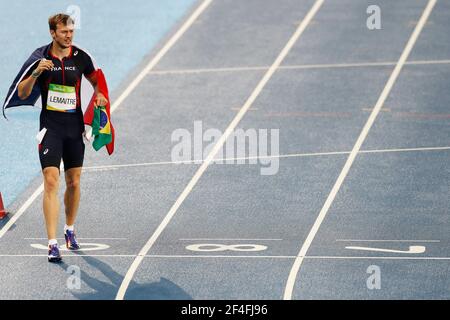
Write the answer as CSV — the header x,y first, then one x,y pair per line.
x,y
61,29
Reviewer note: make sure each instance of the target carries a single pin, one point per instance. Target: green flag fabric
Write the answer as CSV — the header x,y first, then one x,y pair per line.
x,y
101,128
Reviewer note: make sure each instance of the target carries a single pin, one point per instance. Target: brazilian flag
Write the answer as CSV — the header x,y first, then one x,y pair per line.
x,y
101,128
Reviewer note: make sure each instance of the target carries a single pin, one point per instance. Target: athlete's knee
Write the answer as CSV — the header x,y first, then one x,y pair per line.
x,y
51,181
73,183
73,177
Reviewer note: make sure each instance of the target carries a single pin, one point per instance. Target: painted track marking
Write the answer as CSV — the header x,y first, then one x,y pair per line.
x,y
299,67
292,155
412,249
124,285
384,94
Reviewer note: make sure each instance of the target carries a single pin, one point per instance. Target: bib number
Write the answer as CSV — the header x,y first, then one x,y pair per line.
x,y
61,98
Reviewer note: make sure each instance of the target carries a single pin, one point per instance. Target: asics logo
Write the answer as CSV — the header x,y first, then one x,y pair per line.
x,y
75,53
45,151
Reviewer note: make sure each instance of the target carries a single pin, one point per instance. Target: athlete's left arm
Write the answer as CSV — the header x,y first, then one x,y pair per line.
x,y
100,98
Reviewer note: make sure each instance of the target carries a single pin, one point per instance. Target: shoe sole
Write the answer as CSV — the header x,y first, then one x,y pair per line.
x,y
54,260
71,248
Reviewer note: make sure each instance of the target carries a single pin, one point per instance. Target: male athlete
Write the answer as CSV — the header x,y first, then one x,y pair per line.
x,y
58,75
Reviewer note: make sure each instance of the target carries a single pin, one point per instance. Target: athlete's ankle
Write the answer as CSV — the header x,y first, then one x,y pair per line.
x,y
68,227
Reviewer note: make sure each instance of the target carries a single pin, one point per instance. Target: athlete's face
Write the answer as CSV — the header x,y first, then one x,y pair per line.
x,y
63,35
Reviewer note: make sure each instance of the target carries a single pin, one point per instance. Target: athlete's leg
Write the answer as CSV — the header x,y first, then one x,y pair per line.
x,y
51,201
72,194
73,156
50,153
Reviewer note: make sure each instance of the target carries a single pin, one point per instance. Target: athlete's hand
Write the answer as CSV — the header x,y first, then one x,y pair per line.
x,y
100,100
43,65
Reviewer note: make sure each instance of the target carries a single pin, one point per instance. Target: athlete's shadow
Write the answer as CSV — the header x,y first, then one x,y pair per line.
x,y
107,290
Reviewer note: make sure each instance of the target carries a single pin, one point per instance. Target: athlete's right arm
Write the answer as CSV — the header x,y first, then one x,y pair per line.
x,y
26,86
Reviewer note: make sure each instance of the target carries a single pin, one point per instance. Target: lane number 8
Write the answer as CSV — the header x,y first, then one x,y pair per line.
x,y
214,247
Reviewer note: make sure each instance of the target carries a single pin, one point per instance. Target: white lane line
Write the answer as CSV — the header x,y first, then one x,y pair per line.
x,y
100,169
323,212
294,257
68,254
78,238
363,64
418,62
292,155
71,255
376,258
370,109
338,65
119,100
202,256
294,67
85,247
22,209
161,54
406,150
211,239
145,164
216,148
237,109
188,71
357,240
